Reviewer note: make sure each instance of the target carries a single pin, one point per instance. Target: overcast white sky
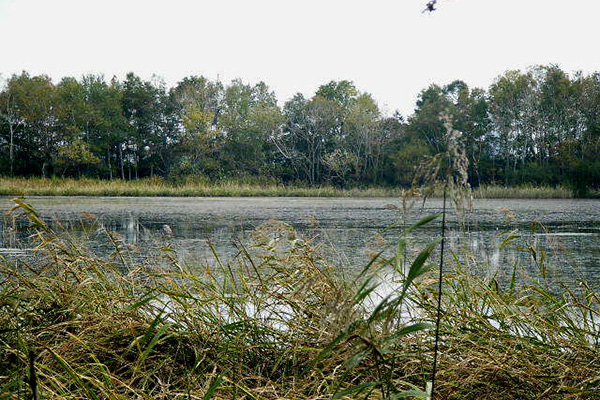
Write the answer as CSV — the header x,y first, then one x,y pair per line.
x,y
387,47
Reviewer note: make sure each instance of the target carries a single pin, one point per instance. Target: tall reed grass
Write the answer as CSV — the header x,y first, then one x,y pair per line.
x,y
278,321
188,188
523,192
236,188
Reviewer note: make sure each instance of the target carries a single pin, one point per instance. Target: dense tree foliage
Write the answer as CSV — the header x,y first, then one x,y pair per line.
x,y
541,126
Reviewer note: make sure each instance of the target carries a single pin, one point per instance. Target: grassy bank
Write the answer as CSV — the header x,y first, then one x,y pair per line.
x,y
160,187
523,192
281,324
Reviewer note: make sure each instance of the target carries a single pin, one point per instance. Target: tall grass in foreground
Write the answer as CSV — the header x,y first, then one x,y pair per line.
x,y
206,188
279,322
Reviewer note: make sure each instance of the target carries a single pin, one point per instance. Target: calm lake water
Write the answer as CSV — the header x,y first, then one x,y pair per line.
x,y
350,228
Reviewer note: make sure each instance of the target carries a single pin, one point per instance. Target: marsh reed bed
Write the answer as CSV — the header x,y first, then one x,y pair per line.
x,y
278,321
201,187
188,187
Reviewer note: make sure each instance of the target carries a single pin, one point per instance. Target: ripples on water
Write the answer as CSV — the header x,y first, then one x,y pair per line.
x,y
348,230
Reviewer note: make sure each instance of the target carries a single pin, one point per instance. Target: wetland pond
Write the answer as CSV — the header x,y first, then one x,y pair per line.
x,y
349,230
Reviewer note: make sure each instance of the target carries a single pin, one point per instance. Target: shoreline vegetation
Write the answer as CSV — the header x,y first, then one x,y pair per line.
x,y
149,187
279,322
538,127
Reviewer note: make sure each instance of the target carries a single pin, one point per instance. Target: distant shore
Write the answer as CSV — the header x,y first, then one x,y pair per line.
x,y
161,187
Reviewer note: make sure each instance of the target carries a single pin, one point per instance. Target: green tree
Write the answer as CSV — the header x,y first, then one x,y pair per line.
x,y
152,122
28,110
249,118
199,103
513,104
362,137
107,127
342,93
425,123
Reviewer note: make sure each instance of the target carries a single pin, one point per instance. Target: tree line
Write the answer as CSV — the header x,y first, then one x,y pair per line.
x,y
539,126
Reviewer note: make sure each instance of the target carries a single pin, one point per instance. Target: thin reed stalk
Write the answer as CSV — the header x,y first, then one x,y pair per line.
x,y
438,316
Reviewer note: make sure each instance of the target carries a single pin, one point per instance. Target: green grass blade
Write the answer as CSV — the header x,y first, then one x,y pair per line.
x,y
214,386
356,389
73,374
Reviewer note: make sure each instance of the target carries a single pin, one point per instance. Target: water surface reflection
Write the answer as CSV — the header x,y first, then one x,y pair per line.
x,y
349,230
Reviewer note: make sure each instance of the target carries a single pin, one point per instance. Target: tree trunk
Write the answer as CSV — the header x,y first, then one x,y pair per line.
x,y
11,150
121,162
110,174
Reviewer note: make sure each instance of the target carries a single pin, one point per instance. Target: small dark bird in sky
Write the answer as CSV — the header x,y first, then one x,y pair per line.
x,y
430,6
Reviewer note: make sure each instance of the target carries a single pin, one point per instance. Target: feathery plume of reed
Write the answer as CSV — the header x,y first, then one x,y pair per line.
x,y
448,168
